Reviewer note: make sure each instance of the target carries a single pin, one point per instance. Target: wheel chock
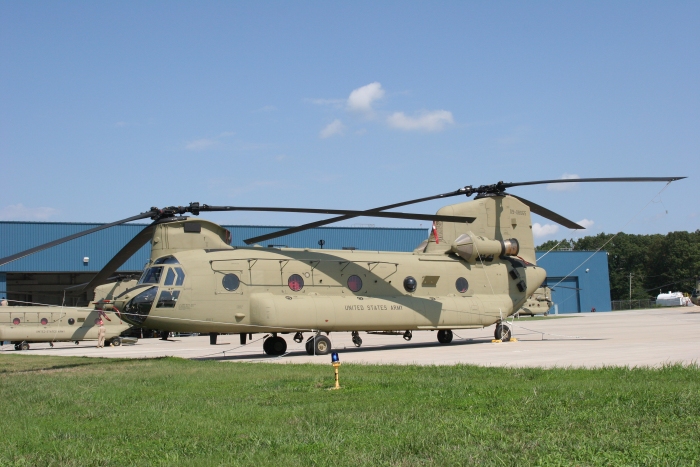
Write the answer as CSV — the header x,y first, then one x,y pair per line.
x,y
513,339
496,341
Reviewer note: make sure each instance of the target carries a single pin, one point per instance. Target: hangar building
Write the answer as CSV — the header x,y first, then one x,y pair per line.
x,y
580,278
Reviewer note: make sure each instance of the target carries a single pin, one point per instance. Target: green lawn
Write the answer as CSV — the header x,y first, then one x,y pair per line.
x,y
84,412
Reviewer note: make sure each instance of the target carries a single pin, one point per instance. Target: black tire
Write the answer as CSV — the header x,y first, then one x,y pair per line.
x,y
17,347
322,345
116,341
310,346
502,332
24,345
444,336
275,345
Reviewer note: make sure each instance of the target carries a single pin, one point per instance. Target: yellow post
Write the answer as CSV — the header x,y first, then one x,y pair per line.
x,y
336,365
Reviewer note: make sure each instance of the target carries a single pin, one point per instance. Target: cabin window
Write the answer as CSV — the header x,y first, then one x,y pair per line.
x,y
354,283
168,299
410,284
71,321
295,282
151,275
462,285
16,321
230,282
138,307
169,277
44,321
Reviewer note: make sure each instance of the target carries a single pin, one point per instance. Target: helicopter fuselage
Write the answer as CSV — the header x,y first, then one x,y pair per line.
x,y
249,290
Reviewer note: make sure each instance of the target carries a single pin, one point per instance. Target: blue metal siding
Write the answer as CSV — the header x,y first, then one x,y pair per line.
x,y
594,285
101,246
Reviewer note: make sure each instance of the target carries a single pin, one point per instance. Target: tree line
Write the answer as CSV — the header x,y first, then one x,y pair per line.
x,y
658,263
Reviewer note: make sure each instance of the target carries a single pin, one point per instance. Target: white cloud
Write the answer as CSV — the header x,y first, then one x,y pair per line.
x,y
564,186
19,212
336,127
200,144
361,99
428,121
586,223
544,230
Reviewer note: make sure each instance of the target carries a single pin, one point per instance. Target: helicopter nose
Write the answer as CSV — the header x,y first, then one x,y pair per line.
x,y
534,277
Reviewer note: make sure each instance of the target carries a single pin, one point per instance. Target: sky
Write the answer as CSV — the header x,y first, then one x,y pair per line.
x,y
109,108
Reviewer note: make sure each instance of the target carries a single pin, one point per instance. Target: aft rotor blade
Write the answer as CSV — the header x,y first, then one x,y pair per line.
x,y
392,215
22,254
321,223
547,214
592,180
122,256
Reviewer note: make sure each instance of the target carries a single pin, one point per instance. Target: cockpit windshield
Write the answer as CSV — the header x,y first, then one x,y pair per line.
x,y
151,275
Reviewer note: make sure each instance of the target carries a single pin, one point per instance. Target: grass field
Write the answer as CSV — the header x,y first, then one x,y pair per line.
x,y
104,412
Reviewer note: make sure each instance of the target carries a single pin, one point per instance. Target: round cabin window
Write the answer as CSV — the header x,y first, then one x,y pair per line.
x,y
354,283
71,321
295,282
44,321
410,284
16,321
462,285
231,282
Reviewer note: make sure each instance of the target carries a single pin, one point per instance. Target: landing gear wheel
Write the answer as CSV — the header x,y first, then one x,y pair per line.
x,y
116,341
444,336
502,332
275,345
319,345
24,346
17,347
408,335
546,313
164,335
356,339
51,344
77,342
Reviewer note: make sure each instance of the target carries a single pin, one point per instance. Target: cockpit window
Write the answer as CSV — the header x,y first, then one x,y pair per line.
x,y
151,275
180,276
166,260
169,277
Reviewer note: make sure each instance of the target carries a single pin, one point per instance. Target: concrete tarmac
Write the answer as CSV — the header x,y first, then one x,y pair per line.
x,y
623,338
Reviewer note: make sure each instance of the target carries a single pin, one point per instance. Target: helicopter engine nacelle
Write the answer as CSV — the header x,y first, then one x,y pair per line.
x,y
470,247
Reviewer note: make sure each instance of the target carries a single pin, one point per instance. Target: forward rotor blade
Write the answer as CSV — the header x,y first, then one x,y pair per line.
x,y
345,212
120,258
592,180
22,254
312,225
547,214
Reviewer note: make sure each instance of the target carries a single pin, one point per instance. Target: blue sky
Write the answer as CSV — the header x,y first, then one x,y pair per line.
x,y
109,108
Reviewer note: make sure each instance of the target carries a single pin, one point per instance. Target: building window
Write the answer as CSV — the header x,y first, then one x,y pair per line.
x,y
354,283
295,282
410,284
462,285
231,282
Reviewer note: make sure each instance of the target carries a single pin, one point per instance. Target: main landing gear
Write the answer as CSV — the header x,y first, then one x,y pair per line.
x,y
444,336
320,345
502,332
356,339
24,345
275,345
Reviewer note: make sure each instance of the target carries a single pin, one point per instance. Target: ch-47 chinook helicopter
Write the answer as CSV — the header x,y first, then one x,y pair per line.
x,y
476,268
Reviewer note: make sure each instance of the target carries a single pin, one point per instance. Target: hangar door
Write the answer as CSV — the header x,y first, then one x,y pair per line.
x,y
566,294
